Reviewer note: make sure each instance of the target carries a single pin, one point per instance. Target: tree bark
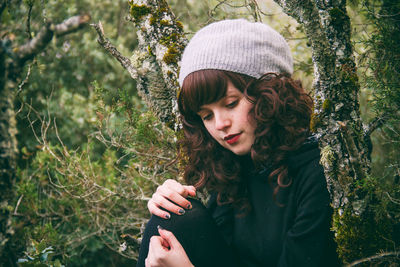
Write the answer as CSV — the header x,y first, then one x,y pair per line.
x,y
8,155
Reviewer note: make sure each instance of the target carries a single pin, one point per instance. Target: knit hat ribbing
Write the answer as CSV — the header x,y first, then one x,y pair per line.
x,y
239,46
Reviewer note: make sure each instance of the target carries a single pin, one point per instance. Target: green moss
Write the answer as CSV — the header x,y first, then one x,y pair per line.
x,y
150,50
338,17
179,25
360,236
315,122
164,22
138,11
171,56
153,20
349,72
335,12
163,9
327,105
170,39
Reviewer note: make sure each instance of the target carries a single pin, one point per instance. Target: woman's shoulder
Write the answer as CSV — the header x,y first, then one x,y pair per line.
x,y
305,169
305,157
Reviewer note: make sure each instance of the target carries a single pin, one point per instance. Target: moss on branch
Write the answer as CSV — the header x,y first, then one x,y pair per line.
x,y
138,11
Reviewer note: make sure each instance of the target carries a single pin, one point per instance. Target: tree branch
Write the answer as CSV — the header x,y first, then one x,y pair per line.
x,y
70,25
33,47
380,256
375,124
28,20
113,51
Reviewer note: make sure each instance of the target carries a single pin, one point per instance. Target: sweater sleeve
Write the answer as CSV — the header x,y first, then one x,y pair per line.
x,y
309,242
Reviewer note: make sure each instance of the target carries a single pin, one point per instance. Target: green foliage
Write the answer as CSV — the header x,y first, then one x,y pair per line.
x,y
39,257
384,78
81,202
379,62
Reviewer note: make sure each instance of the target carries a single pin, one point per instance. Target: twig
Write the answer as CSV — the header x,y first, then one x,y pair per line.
x,y
394,200
112,50
255,10
18,203
28,20
394,254
375,124
25,80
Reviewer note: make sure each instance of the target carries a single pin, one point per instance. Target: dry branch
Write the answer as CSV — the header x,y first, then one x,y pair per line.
x,y
28,50
375,124
113,51
394,256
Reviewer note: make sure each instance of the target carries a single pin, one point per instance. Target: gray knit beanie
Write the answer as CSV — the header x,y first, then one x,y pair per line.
x,y
239,46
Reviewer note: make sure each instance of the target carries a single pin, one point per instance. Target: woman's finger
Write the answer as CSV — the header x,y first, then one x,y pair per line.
x,y
175,186
156,251
169,238
183,190
163,200
191,190
172,195
155,210
157,244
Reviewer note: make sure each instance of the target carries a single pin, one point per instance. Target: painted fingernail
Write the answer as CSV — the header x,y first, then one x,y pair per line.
x,y
181,211
159,227
167,216
189,206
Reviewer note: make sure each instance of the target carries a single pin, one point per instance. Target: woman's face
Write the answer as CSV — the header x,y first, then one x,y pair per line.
x,y
228,121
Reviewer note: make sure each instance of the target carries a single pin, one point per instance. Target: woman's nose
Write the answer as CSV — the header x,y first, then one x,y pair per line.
x,y
222,121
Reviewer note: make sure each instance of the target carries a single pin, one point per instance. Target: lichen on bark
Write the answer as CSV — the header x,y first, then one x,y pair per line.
x,y
161,43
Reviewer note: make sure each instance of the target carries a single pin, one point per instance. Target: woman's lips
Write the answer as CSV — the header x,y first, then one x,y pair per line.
x,y
231,139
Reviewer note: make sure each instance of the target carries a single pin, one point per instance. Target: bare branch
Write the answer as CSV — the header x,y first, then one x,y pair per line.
x,y
375,124
25,80
28,20
33,47
70,25
380,257
112,50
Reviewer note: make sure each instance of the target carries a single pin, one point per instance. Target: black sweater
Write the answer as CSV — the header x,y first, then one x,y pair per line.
x,y
294,229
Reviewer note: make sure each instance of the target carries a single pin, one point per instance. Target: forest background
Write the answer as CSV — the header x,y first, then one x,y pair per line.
x,y
90,147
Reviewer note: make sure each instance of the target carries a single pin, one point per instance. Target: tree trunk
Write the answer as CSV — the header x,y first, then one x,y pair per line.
x,y
8,155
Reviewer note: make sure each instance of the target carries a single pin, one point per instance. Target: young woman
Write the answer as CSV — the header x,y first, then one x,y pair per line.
x,y
247,143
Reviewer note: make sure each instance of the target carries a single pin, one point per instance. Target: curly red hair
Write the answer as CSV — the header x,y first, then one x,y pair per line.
x,y
282,110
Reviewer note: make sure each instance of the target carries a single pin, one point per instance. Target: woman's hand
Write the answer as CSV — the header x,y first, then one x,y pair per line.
x,y
165,250
171,196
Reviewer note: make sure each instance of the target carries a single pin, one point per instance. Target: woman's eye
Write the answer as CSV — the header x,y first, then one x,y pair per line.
x,y
232,104
207,117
